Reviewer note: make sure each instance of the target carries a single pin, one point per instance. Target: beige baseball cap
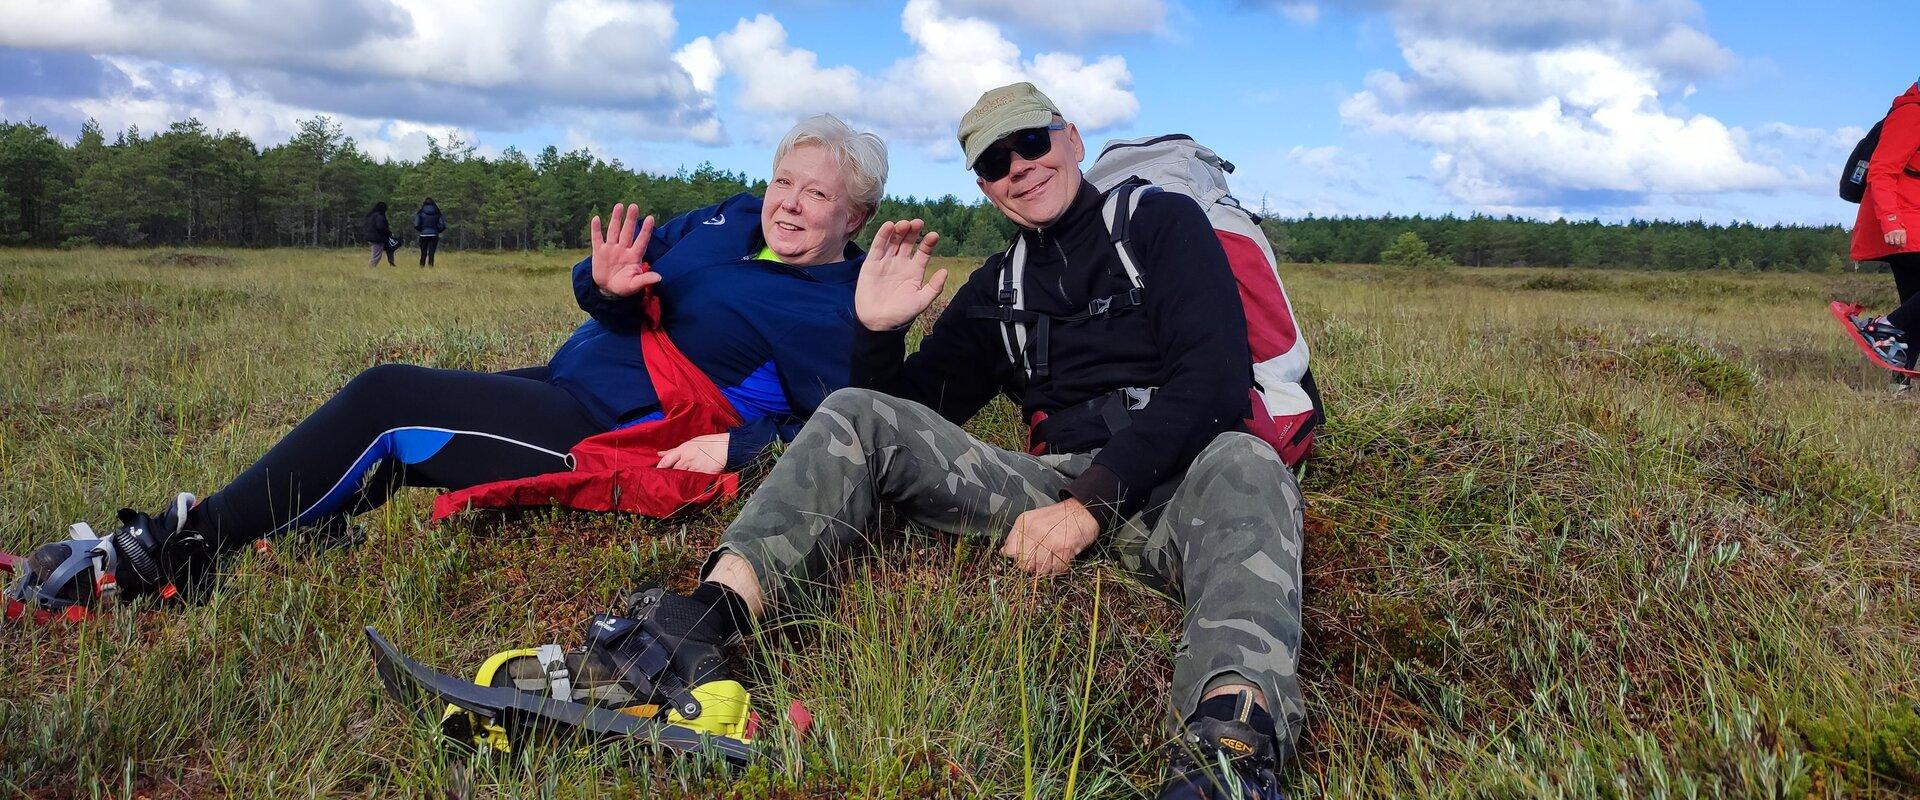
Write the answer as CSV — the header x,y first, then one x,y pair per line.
x,y
1002,111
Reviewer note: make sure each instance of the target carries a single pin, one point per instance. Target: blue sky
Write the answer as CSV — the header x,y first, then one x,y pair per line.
x,y
1601,108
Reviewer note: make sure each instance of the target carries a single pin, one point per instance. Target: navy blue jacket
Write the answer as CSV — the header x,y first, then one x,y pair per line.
x,y
429,221
776,339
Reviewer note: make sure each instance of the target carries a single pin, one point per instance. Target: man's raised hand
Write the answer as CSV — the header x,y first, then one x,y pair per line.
x,y
892,288
619,258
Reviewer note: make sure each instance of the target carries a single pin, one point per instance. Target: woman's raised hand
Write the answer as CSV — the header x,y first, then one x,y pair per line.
x,y
620,268
893,287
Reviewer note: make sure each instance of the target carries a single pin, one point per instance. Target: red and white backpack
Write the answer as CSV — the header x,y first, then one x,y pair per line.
x,y
1285,406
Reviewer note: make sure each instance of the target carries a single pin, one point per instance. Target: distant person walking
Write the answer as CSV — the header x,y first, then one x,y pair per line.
x,y
429,223
1885,230
378,234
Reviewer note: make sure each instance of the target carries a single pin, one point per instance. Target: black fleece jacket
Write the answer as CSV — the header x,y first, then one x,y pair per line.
x,y
1188,341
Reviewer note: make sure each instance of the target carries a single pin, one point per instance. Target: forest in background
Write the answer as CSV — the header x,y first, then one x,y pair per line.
x,y
191,186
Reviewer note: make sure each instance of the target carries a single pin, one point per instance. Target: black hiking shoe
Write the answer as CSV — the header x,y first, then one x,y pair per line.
x,y
1890,344
662,645
147,554
1223,759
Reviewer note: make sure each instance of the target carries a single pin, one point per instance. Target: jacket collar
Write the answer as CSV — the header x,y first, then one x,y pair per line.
x,y
846,270
1084,208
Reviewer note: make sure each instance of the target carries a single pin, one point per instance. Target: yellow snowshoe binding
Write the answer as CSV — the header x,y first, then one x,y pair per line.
x,y
637,661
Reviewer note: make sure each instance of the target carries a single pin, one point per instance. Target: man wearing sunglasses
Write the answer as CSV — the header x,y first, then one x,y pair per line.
x,y
1135,391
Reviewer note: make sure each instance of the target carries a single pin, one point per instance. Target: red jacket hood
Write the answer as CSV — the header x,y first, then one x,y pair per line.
x,y
1911,97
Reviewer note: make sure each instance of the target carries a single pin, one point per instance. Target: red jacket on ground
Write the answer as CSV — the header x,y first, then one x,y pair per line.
x,y
1893,184
619,470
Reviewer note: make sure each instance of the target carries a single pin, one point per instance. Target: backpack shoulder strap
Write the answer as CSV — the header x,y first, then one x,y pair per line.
x,y
1010,310
1121,203
1013,291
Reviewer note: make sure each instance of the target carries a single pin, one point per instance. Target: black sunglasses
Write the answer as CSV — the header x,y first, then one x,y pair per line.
x,y
1028,143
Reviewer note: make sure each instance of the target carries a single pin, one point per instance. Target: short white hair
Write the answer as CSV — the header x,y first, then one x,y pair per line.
x,y
863,156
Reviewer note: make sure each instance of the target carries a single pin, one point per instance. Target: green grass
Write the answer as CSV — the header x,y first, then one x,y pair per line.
x,y
1569,534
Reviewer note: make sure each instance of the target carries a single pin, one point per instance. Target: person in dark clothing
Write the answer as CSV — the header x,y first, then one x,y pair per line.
x,y
755,293
1167,480
429,223
377,234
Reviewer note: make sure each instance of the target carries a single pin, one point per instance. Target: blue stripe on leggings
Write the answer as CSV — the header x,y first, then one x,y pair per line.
x,y
407,445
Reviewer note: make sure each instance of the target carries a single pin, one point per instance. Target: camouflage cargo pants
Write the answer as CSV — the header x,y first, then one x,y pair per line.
x,y
1226,545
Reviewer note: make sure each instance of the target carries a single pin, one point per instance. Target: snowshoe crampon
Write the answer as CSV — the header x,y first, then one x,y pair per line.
x,y
579,701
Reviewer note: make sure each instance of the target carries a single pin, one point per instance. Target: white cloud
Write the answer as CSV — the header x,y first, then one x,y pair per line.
x,y
919,98
494,63
702,62
1307,13
1648,27
392,71
156,95
1546,104
1325,159
773,75
1071,18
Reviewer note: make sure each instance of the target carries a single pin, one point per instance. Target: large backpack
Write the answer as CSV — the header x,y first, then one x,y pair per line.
x,y
1283,407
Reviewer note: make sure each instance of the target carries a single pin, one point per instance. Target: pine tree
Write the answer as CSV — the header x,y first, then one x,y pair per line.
x,y
1410,251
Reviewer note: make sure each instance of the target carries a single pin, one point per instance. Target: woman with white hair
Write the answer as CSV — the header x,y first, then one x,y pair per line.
x,y
756,292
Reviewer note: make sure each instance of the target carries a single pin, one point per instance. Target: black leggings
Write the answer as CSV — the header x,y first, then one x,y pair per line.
x,y
398,425
1906,280
428,246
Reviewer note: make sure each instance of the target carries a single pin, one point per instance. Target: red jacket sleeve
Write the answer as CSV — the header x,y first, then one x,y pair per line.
x,y
1899,139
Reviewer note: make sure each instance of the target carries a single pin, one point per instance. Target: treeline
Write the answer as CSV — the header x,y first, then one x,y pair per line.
x,y
189,185
1515,242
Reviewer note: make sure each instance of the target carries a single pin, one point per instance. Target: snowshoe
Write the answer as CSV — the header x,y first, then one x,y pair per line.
x,y
1888,347
508,716
638,677
72,579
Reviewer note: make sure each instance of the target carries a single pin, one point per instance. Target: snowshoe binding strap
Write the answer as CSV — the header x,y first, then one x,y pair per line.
x,y
553,661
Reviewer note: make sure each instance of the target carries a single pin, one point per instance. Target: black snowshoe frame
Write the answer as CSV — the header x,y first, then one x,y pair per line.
x,y
529,713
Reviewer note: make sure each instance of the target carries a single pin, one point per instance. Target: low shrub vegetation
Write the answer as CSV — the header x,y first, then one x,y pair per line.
x,y
1586,535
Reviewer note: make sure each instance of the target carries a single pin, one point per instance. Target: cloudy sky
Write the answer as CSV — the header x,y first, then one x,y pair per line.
x,y
1687,109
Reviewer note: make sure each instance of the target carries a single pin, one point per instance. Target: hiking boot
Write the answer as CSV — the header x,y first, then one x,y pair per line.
x,y
1890,344
147,554
1223,759
696,630
663,646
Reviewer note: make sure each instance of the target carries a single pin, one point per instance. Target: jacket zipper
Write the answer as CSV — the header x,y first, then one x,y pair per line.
x,y
1065,265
